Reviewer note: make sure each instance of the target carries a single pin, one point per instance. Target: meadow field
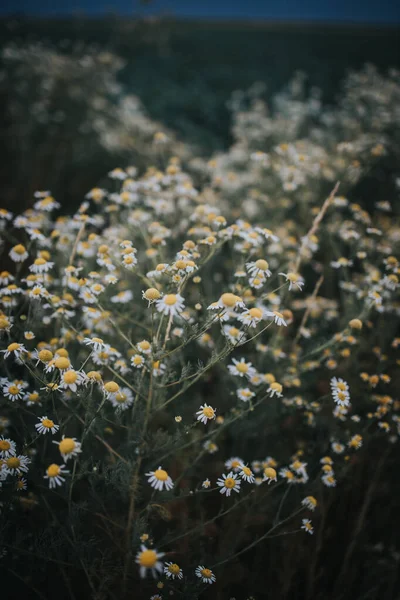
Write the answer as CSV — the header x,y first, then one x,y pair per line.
x,y
199,310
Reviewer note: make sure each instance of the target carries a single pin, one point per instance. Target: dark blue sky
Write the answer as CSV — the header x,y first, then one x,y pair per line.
x,y
371,11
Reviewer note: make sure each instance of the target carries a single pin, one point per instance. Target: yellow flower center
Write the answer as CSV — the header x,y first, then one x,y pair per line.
x,y
145,345
48,423
67,445
4,445
53,470
206,573
111,386
13,462
174,569
70,377
262,264
229,299
170,299
152,294
255,313
208,412
40,262
120,397
62,352
161,475
12,347
137,360
19,249
229,483
13,390
270,473
246,471
148,559
62,363
242,367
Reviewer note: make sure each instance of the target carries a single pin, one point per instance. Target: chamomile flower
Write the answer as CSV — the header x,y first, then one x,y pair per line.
x,y
307,526
275,389
206,575
309,502
123,399
13,391
329,480
241,368
159,479
14,349
148,560
172,570
170,304
18,253
227,301
234,464
16,465
137,361
55,475
206,484
269,474
246,474
244,394
41,265
294,279
69,448
7,447
251,317
96,343
46,425
228,483
277,317
71,379
259,267
205,414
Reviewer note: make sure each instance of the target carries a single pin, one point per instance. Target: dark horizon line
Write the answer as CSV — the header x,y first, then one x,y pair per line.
x,y
254,22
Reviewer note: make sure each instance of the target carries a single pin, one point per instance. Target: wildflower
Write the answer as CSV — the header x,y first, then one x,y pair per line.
x,y
206,575
151,295
307,526
275,389
337,448
71,379
137,361
277,317
178,419
340,391
172,570
206,484
13,391
159,479
45,425
228,301
246,474
244,394
158,368
228,483
251,317
41,266
15,465
309,502
269,475
170,304
54,473
355,442
144,346
21,484
241,368
7,447
69,448
234,464
329,480
147,559
14,349
110,388
206,413
294,280
96,343
122,399
18,253
355,324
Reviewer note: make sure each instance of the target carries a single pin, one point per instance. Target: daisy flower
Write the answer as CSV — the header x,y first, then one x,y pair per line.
x,y
294,279
275,389
68,447
269,475
247,474
21,484
137,361
206,413
7,447
329,480
241,368
159,479
148,559
227,301
251,317
45,425
206,484
14,349
259,267
54,473
277,317
96,343
13,391
170,304
309,502
244,394
172,570
41,265
307,526
206,575
228,483
18,253
144,346
71,379
123,399
16,465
